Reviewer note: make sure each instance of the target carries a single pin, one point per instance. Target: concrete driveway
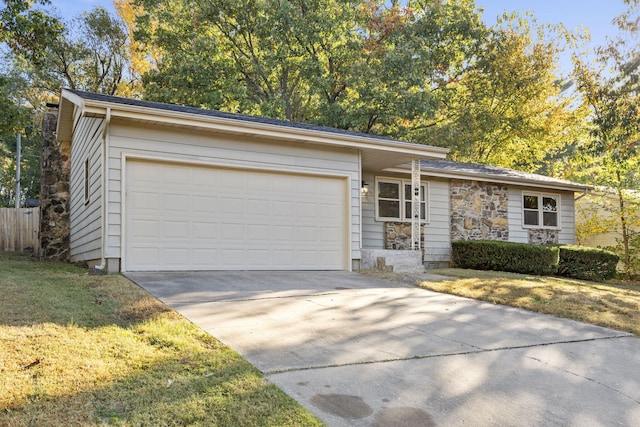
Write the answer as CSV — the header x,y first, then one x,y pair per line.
x,y
360,351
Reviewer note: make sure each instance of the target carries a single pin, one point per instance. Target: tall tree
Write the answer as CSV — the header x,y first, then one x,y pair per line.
x,y
28,30
612,153
363,65
90,54
510,108
17,115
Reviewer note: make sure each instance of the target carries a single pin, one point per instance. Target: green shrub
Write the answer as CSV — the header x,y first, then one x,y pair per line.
x,y
505,256
587,263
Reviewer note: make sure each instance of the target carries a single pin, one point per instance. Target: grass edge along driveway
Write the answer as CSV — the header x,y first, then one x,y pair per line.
x,y
98,350
611,304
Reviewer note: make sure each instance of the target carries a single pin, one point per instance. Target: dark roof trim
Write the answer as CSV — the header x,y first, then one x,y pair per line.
x,y
229,116
451,169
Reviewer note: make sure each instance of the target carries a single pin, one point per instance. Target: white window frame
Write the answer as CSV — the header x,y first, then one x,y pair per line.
x,y
541,210
401,183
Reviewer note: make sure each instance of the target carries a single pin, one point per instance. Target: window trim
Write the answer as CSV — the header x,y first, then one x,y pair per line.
x,y
87,182
540,210
401,183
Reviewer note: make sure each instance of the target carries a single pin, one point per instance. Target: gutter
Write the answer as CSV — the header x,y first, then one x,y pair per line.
x,y
105,205
586,191
568,186
238,126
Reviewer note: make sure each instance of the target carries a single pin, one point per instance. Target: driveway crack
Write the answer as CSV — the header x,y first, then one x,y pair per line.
x,y
477,350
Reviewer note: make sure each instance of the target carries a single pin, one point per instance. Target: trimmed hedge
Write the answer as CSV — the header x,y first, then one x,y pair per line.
x,y
505,256
568,260
587,263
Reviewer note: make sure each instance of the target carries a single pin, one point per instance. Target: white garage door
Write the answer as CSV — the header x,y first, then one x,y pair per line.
x,y
186,217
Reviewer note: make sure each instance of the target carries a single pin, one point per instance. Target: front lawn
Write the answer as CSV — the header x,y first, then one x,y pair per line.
x,y
611,304
98,350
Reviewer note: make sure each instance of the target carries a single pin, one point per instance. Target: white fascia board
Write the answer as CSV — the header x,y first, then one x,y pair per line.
x,y
499,180
77,100
261,129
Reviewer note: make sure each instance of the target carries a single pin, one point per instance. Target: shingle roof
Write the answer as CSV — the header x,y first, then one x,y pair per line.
x,y
221,114
494,172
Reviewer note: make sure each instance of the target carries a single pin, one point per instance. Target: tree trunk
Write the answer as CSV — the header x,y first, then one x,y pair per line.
x,y
626,256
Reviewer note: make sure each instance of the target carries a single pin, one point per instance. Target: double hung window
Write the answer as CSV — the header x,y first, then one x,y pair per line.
x,y
540,210
394,200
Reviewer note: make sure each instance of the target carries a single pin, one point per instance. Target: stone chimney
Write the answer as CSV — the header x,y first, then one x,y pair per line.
x,y
54,190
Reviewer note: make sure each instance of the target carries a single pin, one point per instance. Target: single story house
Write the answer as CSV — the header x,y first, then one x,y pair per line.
x,y
155,186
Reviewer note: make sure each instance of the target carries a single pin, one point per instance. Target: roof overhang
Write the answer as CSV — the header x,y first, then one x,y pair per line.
x,y
377,153
541,182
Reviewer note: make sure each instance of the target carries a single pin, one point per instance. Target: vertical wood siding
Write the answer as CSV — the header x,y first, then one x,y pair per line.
x,y
19,229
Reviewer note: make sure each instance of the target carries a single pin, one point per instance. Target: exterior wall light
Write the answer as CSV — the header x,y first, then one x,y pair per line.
x,y
364,189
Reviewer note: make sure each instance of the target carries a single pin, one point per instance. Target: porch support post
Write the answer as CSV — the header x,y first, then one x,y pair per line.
x,y
415,204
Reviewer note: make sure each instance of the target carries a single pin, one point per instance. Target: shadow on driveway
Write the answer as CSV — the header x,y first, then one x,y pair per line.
x,y
361,351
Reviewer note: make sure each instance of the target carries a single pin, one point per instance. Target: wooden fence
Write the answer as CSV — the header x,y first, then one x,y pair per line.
x,y
19,229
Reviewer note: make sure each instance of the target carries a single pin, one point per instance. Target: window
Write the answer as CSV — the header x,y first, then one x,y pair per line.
x,y
86,181
540,210
393,200
407,201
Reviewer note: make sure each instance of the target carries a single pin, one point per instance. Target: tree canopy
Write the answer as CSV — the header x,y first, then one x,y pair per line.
x,y
426,71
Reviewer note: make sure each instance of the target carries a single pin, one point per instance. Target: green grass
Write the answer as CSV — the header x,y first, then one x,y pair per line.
x,y
611,304
97,350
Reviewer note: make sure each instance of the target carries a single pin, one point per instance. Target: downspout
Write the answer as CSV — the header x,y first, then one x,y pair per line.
x,y
586,191
105,205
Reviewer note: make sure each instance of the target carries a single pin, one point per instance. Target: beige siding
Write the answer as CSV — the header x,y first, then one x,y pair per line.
x,y
567,234
372,230
85,221
601,207
437,230
518,233
206,148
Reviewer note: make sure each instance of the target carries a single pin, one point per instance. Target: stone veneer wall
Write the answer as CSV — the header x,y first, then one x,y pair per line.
x,y
541,236
54,190
397,235
479,211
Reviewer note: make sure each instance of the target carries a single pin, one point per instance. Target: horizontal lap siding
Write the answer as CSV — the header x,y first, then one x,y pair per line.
x,y
567,219
372,230
437,231
203,147
85,222
517,233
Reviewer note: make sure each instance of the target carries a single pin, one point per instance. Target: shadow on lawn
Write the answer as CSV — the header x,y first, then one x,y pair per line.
x,y
194,391
85,350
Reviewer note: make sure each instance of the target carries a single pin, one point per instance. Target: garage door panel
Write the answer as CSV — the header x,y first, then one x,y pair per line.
x,y
176,230
175,203
204,231
143,256
258,207
225,219
259,232
203,204
145,229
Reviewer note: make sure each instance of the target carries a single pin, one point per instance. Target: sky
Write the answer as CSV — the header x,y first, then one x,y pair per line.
x,y
596,15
